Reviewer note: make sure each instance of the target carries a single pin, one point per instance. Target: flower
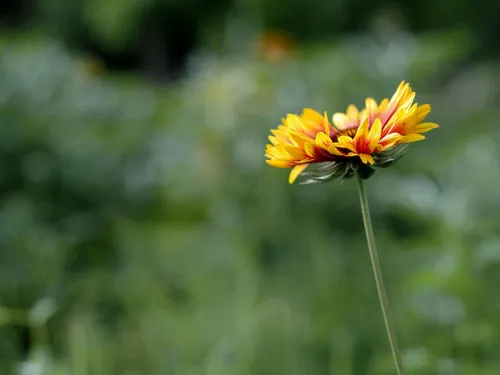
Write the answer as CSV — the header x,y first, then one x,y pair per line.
x,y
353,143
275,46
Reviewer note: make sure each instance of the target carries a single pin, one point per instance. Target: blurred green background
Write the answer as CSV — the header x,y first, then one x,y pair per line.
x,y
141,232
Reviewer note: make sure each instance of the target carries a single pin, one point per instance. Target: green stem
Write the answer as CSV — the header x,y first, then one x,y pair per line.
x,y
382,294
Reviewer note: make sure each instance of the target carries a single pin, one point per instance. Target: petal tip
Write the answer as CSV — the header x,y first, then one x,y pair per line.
x,y
296,171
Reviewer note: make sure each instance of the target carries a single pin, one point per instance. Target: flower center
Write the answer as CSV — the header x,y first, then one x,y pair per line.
x,y
350,132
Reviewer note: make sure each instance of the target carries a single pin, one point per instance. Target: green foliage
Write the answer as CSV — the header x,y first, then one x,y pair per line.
x,y
122,26
141,231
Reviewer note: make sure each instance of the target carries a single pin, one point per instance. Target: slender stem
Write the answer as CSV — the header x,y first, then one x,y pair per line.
x,y
382,294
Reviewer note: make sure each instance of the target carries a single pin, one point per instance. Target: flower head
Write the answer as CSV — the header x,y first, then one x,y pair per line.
x,y
353,143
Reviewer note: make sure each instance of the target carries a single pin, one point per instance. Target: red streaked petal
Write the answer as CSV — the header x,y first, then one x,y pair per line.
x,y
362,131
390,140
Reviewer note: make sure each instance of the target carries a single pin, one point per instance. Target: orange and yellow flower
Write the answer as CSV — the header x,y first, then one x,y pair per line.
x,y
354,141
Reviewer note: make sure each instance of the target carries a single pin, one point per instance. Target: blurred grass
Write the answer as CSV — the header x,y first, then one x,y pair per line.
x,y
142,233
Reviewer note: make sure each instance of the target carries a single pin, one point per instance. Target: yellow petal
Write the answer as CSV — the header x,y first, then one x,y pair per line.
x,y
299,139
339,120
310,149
294,123
422,112
366,158
326,124
273,140
425,127
383,105
345,141
399,92
352,112
408,100
280,163
374,134
296,171
412,110
311,114
323,141
280,135
284,150
294,151
312,120
273,153
334,150
371,106
402,84
362,115
413,138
